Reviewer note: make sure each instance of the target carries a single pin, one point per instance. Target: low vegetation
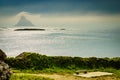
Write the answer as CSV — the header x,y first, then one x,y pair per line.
x,y
29,62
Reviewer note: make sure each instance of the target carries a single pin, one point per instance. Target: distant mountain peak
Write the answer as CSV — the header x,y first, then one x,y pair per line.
x,y
24,22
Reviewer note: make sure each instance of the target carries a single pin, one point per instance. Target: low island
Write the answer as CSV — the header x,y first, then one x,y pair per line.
x,y
29,29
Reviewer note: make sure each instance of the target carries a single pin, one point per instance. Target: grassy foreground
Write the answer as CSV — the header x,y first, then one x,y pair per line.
x,y
66,71
66,74
32,64
28,77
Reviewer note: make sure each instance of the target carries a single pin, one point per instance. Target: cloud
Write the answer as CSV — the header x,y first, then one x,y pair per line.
x,y
28,15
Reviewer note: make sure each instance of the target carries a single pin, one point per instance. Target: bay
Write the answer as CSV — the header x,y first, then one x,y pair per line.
x,y
58,42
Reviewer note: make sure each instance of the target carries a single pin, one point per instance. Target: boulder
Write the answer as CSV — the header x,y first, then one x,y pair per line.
x,y
5,71
2,55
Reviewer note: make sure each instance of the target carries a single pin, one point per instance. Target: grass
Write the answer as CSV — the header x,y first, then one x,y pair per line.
x,y
57,71
28,77
48,71
68,71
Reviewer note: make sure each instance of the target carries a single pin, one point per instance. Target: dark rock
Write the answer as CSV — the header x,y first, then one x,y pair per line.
x,y
62,29
2,55
81,71
5,71
76,72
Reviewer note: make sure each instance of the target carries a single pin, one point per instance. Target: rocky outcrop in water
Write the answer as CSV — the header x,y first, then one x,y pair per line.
x,y
24,22
5,71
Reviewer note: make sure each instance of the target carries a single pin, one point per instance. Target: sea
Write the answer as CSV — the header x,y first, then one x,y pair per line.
x,y
57,41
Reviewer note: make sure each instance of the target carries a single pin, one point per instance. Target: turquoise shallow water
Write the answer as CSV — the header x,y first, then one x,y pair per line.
x,y
56,42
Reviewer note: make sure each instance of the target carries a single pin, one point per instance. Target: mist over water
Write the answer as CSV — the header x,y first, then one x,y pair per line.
x,y
56,42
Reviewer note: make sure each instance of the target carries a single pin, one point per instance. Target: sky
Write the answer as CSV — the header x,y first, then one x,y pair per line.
x,y
60,11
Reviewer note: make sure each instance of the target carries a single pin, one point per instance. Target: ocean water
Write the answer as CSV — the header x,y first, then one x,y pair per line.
x,y
57,42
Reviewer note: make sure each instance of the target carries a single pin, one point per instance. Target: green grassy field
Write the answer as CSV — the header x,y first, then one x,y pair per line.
x,y
60,74
66,71
57,71
28,77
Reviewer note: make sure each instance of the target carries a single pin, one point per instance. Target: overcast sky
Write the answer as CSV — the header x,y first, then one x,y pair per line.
x,y
60,11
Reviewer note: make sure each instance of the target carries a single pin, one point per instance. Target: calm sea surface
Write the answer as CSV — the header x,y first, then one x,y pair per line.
x,y
56,42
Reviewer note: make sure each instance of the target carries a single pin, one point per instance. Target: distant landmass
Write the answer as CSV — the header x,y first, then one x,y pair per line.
x,y
24,22
29,29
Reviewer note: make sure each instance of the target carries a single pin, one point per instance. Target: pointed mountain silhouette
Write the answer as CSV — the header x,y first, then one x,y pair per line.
x,y
24,22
